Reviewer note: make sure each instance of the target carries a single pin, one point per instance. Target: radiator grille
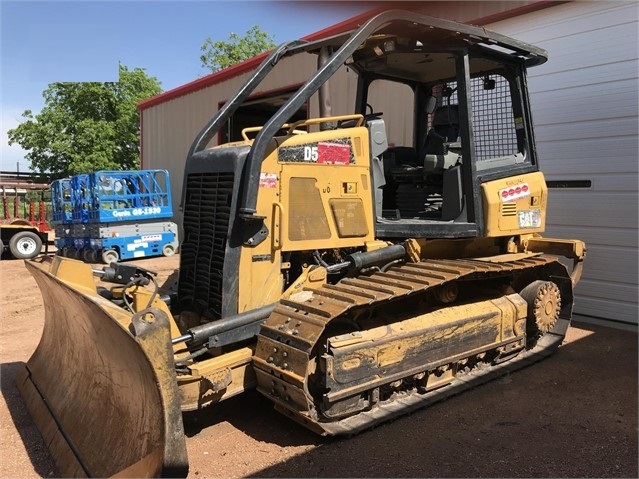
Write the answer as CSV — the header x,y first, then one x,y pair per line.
x,y
207,211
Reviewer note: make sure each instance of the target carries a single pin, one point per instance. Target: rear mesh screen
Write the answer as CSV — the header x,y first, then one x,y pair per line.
x,y
494,126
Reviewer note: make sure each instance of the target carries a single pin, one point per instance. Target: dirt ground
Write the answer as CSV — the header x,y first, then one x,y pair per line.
x,y
572,415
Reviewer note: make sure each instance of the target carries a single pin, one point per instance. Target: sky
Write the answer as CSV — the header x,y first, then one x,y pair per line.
x,y
42,42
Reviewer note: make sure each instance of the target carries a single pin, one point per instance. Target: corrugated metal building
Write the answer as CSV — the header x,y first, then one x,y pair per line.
x,y
584,103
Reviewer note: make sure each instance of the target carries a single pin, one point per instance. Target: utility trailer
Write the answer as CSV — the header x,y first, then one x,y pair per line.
x,y
114,215
20,236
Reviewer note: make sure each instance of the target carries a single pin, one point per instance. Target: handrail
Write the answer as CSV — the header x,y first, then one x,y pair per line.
x,y
254,129
327,119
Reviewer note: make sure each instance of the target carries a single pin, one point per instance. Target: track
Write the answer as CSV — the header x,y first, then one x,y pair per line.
x,y
301,340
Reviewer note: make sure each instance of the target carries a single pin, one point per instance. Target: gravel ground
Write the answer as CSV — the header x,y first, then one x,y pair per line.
x,y
571,415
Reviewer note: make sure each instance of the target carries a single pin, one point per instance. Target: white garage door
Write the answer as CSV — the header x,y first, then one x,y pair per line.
x,y
585,101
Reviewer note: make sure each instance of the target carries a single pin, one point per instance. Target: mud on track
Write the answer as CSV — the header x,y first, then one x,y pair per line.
x,y
572,415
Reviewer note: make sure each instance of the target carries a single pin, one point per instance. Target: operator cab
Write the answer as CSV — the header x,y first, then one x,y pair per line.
x,y
454,115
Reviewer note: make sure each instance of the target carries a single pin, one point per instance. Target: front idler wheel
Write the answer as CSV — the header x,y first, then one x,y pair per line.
x,y
544,305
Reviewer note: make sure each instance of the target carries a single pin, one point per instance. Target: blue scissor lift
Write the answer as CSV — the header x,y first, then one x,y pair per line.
x,y
115,215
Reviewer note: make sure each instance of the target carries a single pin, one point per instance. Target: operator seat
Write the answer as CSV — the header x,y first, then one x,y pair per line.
x,y
445,129
442,165
434,155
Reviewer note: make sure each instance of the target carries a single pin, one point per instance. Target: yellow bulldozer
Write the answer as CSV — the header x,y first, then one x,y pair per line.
x,y
349,278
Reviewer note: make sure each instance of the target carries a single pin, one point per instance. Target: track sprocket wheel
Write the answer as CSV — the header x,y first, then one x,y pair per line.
x,y
544,305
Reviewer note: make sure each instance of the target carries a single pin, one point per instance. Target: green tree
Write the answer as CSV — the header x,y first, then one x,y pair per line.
x,y
86,126
223,54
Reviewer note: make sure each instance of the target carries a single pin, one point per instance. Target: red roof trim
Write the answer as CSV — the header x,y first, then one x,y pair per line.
x,y
341,27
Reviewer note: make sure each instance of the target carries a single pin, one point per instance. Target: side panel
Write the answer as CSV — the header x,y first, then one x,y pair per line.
x,y
515,205
315,193
326,190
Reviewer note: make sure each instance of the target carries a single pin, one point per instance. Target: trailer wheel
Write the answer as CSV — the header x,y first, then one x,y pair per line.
x,y
1,248
110,256
72,252
168,250
25,245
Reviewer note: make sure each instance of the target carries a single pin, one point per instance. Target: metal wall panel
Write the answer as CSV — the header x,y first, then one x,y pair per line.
x,y
584,103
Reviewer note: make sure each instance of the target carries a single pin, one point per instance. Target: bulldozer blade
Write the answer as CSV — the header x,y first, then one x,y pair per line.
x,y
101,384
